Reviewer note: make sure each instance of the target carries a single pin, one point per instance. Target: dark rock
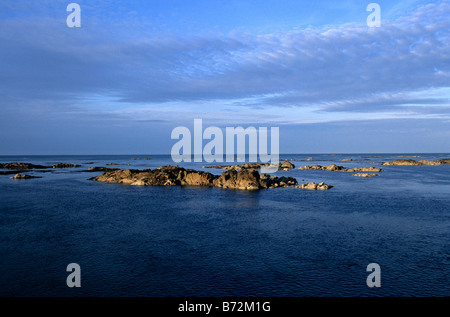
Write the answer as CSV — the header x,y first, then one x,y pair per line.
x,y
334,167
174,175
65,165
21,166
101,169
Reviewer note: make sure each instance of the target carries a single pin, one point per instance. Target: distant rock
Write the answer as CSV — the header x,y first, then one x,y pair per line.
x,y
365,174
21,166
411,162
237,167
364,169
315,186
177,176
347,160
112,164
24,176
286,166
65,165
101,169
309,159
334,167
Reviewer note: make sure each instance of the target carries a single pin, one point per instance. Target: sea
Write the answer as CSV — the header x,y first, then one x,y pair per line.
x,y
136,241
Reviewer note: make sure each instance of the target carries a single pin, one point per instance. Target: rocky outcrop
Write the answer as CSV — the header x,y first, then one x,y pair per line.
x,y
315,186
365,174
21,166
411,162
286,166
347,160
65,165
334,167
364,169
173,175
23,176
101,169
237,167
110,164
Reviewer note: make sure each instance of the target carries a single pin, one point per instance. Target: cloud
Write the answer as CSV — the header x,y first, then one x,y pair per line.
x,y
351,68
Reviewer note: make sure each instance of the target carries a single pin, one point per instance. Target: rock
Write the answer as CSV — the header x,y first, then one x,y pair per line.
x,y
365,174
286,166
334,167
315,186
21,166
411,162
24,176
244,179
174,175
364,169
254,165
347,160
112,164
309,159
101,169
65,165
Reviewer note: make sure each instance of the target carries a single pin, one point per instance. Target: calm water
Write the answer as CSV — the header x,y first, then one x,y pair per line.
x,y
174,241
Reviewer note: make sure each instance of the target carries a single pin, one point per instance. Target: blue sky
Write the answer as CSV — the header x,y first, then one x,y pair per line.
x,y
135,70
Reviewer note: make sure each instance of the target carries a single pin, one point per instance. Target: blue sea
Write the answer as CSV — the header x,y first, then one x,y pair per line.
x,y
190,241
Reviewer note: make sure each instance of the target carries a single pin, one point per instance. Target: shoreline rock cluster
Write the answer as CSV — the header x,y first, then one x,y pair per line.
x,y
286,166
411,162
334,168
177,176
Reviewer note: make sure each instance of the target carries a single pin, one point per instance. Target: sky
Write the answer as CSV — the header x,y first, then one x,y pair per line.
x,y
136,70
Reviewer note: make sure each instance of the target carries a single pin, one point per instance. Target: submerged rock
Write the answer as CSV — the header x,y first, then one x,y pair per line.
x,y
101,169
24,176
315,186
365,174
65,165
174,175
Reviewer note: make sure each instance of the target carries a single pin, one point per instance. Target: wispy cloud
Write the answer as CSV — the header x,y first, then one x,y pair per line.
x,y
124,72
